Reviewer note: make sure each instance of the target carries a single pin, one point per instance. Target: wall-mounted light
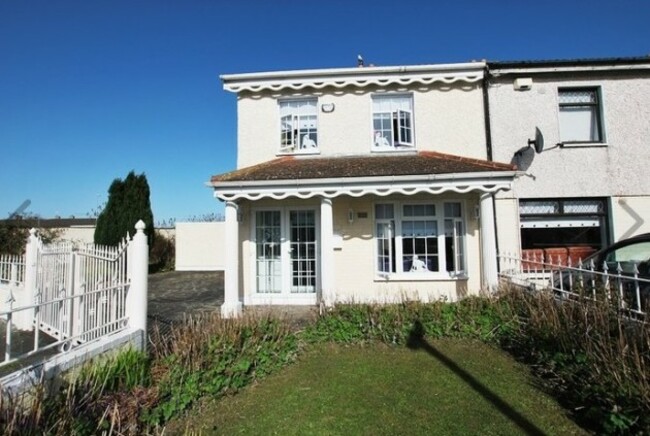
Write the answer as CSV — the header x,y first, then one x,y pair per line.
x,y
327,107
350,216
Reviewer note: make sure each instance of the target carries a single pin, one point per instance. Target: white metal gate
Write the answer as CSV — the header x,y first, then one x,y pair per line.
x,y
81,292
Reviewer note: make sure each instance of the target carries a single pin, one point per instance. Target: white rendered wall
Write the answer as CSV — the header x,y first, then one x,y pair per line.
x,y
354,262
199,246
78,234
507,224
447,119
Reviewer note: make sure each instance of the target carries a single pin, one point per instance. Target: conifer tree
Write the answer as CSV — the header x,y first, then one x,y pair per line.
x,y
128,202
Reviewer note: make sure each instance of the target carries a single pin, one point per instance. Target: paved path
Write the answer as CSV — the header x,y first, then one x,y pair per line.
x,y
176,294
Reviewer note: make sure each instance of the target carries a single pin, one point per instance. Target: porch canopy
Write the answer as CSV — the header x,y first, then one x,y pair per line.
x,y
329,177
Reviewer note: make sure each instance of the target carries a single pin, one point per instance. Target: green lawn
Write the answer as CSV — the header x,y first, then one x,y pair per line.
x,y
444,387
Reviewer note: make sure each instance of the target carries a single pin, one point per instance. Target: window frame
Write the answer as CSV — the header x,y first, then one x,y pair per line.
x,y
599,110
296,148
397,221
399,143
559,208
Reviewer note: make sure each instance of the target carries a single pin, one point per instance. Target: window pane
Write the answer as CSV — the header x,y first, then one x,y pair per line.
x,y
452,210
299,124
384,211
579,124
583,206
392,120
577,96
533,207
385,248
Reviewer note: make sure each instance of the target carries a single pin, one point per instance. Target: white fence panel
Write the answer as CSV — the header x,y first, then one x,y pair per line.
x,y
617,282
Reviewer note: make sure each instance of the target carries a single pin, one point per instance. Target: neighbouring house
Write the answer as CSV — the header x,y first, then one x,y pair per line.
x,y
590,185
79,231
76,230
360,184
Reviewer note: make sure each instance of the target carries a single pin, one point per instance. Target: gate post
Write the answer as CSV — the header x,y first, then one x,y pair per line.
x,y
136,298
24,320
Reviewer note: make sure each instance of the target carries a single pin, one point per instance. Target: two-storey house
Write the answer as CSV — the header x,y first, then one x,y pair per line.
x,y
589,185
360,184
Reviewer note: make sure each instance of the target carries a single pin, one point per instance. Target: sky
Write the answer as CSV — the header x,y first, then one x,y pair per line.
x,y
90,90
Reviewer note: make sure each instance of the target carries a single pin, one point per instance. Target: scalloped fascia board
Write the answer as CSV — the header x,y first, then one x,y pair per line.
x,y
461,183
358,77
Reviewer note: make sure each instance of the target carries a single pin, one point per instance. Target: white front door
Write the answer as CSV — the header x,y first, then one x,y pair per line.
x,y
286,256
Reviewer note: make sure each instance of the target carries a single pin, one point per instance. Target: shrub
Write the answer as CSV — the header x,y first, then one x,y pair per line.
x,y
162,255
473,317
594,359
212,356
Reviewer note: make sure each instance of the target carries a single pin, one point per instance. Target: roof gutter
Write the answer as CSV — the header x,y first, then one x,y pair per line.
x,y
497,71
356,71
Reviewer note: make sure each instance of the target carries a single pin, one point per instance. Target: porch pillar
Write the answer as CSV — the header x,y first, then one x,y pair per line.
x,y
326,251
489,276
231,307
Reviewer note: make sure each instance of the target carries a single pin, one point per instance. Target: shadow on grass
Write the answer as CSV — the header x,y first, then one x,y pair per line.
x,y
416,341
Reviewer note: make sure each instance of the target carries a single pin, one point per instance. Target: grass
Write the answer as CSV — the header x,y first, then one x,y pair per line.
x,y
444,387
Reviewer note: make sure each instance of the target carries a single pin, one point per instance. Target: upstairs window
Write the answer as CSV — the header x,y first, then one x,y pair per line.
x,y
580,115
392,119
299,126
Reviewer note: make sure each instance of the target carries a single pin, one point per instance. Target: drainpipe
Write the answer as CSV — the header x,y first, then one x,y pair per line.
x,y
486,112
488,145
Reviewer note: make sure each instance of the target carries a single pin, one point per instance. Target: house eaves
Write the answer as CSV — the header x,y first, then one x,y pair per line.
x,y
338,78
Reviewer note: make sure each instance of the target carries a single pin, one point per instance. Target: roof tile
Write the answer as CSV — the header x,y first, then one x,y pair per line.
x,y
421,163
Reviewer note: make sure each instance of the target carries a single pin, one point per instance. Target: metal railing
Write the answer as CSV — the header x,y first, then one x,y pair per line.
x,y
12,268
100,325
65,296
621,283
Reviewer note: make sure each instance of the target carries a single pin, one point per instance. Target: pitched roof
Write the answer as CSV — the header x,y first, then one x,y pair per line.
x,y
421,163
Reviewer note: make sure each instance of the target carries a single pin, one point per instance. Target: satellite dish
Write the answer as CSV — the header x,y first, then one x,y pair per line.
x,y
538,142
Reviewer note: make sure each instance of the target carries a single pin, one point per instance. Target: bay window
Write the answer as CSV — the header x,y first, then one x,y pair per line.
x,y
416,238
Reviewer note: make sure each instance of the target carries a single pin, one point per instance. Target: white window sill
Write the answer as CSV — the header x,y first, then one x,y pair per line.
x,y
419,277
398,149
582,144
300,152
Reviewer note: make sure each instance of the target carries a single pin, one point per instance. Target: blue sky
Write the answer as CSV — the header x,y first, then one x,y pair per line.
x,y
90,90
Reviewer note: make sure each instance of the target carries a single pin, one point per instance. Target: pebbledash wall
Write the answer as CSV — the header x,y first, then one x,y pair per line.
x,y
616,169
199,246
